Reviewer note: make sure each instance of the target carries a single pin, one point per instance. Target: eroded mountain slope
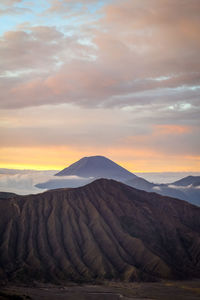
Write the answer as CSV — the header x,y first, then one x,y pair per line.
x,y
102,230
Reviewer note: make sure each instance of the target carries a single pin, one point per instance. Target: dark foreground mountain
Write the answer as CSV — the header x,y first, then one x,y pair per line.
x,y
104,230
5,195
63,183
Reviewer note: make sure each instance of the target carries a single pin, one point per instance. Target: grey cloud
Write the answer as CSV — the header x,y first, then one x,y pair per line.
x,y
79,128
10,2
23,182
123,62
21,50
14,11
9,7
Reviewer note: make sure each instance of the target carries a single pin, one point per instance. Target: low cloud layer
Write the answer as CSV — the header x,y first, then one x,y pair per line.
x,y
23,182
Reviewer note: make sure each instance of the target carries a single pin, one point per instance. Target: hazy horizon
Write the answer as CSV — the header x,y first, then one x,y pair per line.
x,y
23,182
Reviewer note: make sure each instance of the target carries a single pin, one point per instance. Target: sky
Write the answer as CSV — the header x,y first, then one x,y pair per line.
x,y
113,78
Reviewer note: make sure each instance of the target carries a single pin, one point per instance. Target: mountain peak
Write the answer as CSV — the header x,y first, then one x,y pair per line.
x,y
97,167
95,157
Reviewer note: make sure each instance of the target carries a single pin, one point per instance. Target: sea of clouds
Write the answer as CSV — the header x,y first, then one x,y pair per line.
x,y
23,182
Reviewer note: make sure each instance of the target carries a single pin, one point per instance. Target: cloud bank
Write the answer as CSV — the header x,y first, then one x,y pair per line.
x,y
22,182
134,53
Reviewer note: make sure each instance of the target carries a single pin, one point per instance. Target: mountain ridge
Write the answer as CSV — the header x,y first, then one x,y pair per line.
x,y
104,230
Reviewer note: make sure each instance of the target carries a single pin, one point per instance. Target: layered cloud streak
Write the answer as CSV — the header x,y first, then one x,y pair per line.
x,y
133,50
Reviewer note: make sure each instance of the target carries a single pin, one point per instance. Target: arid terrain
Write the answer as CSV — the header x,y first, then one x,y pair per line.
x,y
176,290
103,231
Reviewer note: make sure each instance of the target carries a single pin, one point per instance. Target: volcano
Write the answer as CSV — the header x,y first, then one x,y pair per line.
x,y
104,230
97,167
88,169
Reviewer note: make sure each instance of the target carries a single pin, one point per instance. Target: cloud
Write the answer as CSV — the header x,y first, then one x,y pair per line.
x,y
157,188
10,7
136,52
141,138
10,2
68,125
65,6
13,11
178,187
170,129
24,51
23,182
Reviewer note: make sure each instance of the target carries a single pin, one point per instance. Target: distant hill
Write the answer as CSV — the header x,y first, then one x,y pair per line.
x,y
190,194
187,188
140,183
189,180
104,230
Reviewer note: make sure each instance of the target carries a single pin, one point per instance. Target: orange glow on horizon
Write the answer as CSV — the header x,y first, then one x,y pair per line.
x,y
172,129
58,158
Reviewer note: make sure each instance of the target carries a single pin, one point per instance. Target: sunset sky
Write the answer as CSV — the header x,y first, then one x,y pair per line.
x,y
113,78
